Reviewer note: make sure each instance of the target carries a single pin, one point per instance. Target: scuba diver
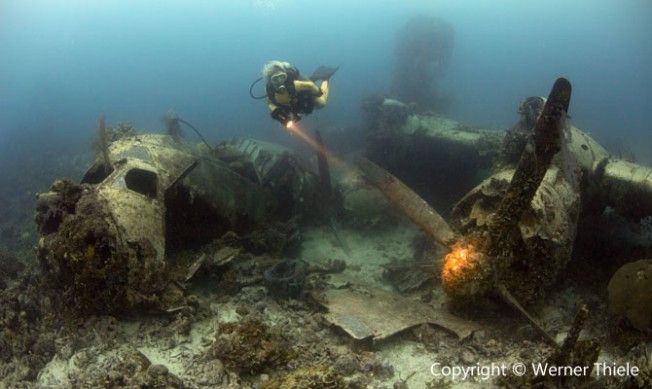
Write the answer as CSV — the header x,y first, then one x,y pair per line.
x,y
289,96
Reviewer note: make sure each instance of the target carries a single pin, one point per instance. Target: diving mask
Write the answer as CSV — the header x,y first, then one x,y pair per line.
x,y
278,79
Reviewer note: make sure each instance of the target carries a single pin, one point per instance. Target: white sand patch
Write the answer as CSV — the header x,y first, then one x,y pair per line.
x,y
368,251
176,358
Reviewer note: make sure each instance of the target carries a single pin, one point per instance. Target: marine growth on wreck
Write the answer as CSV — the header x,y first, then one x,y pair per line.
x,y
409,248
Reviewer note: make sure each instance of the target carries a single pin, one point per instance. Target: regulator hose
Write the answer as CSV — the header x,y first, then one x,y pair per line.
x,y
251,90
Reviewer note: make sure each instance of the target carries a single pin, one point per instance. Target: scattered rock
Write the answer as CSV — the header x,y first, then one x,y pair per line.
x,y
468,357
124,366
372,363
157,370
346,365
242,310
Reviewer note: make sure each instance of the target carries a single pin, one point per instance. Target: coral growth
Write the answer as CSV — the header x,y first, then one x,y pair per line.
x,y
250,346
275,238
544,236
124,366
86,256
103,165
642,357
27,323
10,267
101,143
319,377
121,130
466,271
630,293
54,205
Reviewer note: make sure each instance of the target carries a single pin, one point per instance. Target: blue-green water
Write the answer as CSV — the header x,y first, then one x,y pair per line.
x,y
64,62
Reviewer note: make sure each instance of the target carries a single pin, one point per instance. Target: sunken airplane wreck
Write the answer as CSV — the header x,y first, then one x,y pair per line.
x,y
514,233
107,240
110,241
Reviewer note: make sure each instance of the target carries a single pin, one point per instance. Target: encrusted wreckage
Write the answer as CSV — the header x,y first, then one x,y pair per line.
x,y
514,233
107,240
528,212
416,146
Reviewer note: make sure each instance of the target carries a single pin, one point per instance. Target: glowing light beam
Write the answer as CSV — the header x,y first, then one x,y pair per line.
x,y
294,129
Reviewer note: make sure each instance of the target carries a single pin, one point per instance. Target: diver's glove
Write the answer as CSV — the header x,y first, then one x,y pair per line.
x,y
282,115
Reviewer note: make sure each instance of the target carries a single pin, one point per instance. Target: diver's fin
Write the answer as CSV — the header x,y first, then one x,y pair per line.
x,y
323,73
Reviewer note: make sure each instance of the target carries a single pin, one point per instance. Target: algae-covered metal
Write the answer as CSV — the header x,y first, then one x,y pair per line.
x,y
415,146
107,239
546,230
378,314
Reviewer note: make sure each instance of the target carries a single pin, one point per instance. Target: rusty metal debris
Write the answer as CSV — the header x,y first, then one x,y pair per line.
x,y
195,266
403,198
410,276
581,355
224,255
378,314
507,296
